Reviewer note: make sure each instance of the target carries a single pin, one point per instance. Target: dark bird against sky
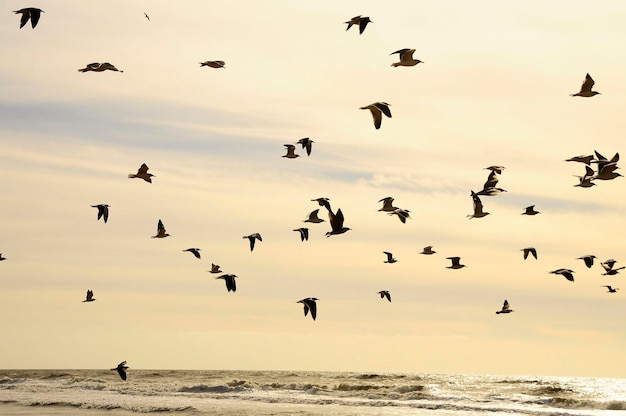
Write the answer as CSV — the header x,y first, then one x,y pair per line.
x,y
29,13
377,110
360,21
103,211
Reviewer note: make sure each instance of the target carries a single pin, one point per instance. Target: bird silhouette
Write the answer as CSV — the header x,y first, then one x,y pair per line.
x,y
161,233
505,308
291,151
89,297
406,58
385,294
304,233
306,144
336,223
142,173
611,289
530,250
215,268
478,207
428,250
390,258
213,64
377,110
456,263
566,273
359,20
585,88
530,211
103,211
588,260
194,251
310,304
99,67
229,279
253,238
121,369
29,13
313,218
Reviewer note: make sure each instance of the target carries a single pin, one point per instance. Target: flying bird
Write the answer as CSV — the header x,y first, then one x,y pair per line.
x,y
253,238
99,67
304,233
313,218
89,297
142,173
2,258
377,110
406,58
306,144
608,267
309,305
160,231
588,260
121,369
215,268
530,211
456,263
611,289
385,294
390,258
428,250
530,250
194,251
146,14
585,180
324,202
291,151
566,273
403,214
103,211
31,13
358,20
478,207
213,64
387,204
336,223
230,281
585,88
505,308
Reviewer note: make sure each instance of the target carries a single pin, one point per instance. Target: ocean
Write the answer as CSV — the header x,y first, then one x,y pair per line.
x,y
278,393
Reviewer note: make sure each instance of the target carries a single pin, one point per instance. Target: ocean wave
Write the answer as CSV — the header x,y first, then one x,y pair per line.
x,y
220,388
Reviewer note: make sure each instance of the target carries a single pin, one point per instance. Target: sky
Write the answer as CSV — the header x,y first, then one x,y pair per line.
x,y
493,89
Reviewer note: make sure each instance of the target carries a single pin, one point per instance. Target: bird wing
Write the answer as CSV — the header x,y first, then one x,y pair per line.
x,y
401,52
384,107
376,114
407,55
313,307
35,14
587,84
160,227
143,169
336,220
24,18
363,24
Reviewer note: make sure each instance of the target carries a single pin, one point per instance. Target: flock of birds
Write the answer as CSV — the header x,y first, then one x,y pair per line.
x,y
605,170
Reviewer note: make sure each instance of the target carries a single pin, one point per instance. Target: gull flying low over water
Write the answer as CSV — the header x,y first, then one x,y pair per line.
x,y
291,151
230,281
611,289
377,110
359,20
505,308
29,13
566,273
403,214
89,297
103,211
428,250
99,67
478,207
306,144
387,204
309,305
313,218
585,88
390,258
530,250
456,263
213,64
215,268
530,211
195,251
304,233
253,238
587,259
385,294
406,58
121,369
142,173
161,233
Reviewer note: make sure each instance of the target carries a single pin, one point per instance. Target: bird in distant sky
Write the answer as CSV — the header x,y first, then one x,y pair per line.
x,y
121,369
336,223
505,308
161,233
387,204
530,211
456,263
313,218
306,144
31,13
478,207
103,211
146,14
377,110
229,279
587,259
99,67
566,273
309,305
608,267
358,20
611,289
390,258
194,251
213,64
530,250
304,233
89,297
385,294
142,173
291,151
2,258
253,238
215,268
428,250
585,88
585,181
403,214
406,58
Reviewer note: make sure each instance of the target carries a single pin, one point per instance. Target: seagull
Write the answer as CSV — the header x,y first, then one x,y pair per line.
x,y
566,273
492,180
31,13
387,204
160,231
390,258
611,289
99,67
89,297
530,211
456,263
213,64
336,223
428,250
215,268
306,144
324,202
194,251
146,14
585,89
291,151
230,281
377,110
304,233
608,267
121,369
103,211
385,294
309,305
588,260
142,173
253,238
2,258
313,217
359,20
607,172
406,58
505,308
602,161
530,250
585,180
478,207
403,214
586,159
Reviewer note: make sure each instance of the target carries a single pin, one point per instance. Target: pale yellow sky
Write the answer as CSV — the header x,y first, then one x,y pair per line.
x,y
493,90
